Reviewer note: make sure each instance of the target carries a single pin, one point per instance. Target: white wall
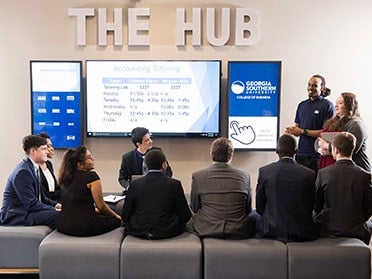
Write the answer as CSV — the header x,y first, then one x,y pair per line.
x,y
326,37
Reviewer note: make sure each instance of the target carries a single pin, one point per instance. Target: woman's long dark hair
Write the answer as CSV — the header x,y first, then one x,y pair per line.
x,y
351,110
69,164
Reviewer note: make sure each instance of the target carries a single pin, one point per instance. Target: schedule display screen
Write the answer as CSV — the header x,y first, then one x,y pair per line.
x,y
170,98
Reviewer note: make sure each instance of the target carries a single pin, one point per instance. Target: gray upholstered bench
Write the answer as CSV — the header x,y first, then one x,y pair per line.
x,y
19,248
177,257
329,258
64,256
247,258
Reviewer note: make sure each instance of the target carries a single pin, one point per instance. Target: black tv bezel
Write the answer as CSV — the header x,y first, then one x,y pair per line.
x,y
279,63
125,134
81,98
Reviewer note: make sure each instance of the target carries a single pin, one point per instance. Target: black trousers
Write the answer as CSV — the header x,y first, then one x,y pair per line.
x,y
310,162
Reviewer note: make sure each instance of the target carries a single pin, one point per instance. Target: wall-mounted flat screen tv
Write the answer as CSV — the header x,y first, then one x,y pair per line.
x,y
254,104
171,98
56,101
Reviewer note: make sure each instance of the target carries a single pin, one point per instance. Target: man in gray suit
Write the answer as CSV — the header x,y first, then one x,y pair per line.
x,y
221,197
343,201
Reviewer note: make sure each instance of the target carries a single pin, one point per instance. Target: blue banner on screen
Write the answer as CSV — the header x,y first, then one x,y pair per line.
x,y
254,102
56,101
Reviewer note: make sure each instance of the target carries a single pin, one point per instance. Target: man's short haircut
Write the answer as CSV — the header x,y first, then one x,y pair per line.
x,y
154,159
222,150
32,141
137,134
345,142
286,146
44,135
325,90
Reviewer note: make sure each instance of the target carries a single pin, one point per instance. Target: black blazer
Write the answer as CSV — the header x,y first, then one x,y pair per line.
x,y
344,200
285,199
155,204
128,167
56,195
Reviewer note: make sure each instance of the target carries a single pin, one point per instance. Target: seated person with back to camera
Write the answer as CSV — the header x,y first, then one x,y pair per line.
x,y
343,197
221,197
132,161
285,197
155,206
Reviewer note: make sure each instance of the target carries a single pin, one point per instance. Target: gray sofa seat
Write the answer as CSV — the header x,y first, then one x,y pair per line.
x,y
341,258
64,256
178,257
246,258
19,246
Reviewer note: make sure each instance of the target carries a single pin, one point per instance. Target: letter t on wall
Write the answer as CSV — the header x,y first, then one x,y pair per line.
x,y
81,32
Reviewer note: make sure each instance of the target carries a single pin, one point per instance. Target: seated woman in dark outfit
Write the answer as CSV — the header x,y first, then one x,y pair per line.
x,y
84,212
48,181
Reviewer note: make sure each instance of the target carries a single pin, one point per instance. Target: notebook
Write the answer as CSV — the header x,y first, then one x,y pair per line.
x,y
113,198
328,136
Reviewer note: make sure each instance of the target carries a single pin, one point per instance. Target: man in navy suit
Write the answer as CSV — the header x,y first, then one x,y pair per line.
x,y
343,201
155,206
24,203
285,196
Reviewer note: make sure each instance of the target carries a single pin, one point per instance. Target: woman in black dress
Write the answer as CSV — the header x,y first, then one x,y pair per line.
x,y
84,212
48,181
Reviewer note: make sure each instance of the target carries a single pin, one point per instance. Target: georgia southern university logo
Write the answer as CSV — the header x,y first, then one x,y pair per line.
x,y
237,87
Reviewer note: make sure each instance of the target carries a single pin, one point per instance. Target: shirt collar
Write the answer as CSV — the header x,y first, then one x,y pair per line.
x,y
154,171
36,166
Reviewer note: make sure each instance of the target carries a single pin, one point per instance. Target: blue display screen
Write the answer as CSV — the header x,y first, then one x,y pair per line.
x,y
254,104
56,101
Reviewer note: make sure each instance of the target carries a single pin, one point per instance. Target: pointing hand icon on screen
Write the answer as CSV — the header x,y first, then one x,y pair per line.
x,y
242,134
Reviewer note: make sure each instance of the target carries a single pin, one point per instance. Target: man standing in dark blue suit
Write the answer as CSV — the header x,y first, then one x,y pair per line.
x,y
24,203
285,196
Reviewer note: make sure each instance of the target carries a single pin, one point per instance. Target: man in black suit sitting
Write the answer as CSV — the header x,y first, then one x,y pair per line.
x,y
155,206
343,200
285,196
132,161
